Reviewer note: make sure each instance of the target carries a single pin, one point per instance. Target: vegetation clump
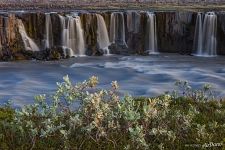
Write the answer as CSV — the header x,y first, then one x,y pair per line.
x,y
81,116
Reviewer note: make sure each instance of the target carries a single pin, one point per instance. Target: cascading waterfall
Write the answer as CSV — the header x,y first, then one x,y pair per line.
x,y
117,29
209,33
112,28
64,37
48,31
28,42
152,34
198,35
122,24
72,35
102,35
205,35
79,37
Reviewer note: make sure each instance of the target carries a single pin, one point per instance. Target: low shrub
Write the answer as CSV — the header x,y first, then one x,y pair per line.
x,y
81,116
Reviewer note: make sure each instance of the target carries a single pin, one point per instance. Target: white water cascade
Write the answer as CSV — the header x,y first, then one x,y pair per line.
x,y
117,29
72,35
80,37
28,42
48,31
152,34
205,42
102,35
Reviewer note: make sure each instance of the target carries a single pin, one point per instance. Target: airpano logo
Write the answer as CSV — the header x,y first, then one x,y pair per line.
x,y
211,144
205,145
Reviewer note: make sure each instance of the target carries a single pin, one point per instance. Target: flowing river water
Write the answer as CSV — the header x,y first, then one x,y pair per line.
x,y
137,75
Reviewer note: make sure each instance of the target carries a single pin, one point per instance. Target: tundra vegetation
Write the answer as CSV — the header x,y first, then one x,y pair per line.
x,y
82,116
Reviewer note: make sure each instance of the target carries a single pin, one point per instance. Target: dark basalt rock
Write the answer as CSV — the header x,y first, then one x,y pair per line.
x,y
10,40
56,25
175,31
89,22
221,33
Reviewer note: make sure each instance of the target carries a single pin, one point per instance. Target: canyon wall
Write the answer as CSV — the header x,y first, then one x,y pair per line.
x,y
57,35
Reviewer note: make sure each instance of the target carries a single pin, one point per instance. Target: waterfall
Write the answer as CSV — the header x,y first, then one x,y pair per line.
x,y
112,28
64,38
198,35
48,31
205,35
72,35
209,33
102,34
117,29
28,42
152,33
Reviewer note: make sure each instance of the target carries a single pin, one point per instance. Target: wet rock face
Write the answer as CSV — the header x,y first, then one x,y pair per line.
x,y
175,33
221,33
89,23
35,26
10,39
135,31
56,29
